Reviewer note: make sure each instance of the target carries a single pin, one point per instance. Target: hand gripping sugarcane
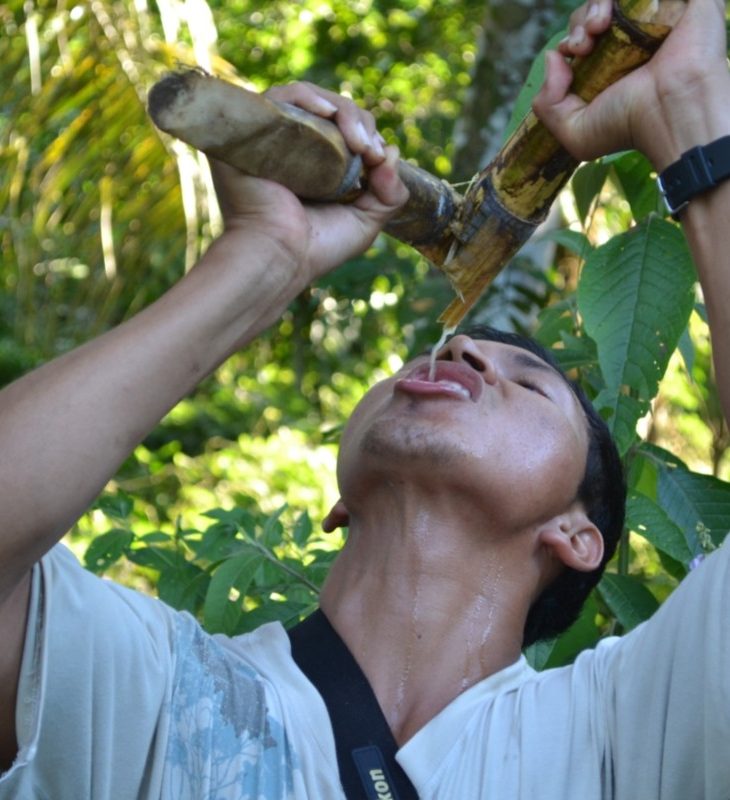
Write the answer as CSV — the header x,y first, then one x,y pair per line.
x,y
471,237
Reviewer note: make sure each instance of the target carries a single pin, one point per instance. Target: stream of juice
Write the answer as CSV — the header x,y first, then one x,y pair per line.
x,y
435,349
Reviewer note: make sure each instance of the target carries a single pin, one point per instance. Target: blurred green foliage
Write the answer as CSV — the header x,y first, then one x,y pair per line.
x,y
99,214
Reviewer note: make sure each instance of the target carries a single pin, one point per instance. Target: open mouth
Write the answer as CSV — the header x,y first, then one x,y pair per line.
x,y
449,379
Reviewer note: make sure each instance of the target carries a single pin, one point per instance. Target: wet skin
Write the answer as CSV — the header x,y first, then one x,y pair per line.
x,y
495,418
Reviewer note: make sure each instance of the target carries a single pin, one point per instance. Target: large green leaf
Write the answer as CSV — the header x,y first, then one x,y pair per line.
x,y
628,599
651,521
635,296
696,503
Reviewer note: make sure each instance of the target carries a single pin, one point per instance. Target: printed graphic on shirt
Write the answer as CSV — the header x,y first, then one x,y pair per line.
x,y
224,743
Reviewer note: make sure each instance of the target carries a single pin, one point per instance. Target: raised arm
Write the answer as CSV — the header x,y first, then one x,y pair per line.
x,y
679,100
66,427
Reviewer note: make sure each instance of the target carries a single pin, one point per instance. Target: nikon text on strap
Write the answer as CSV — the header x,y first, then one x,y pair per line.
x,y
365,745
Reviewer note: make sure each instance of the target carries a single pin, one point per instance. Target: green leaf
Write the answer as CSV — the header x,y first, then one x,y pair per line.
x,y
155,537
237,518
273,530
217,542
576,352
554,321
157,558
695,503
286,612
184,586
629,600
635,295
582,634
119,505
106,549
574,241
302,529
538,653
587,183
645,517
634,172
234,574
621,412
531,87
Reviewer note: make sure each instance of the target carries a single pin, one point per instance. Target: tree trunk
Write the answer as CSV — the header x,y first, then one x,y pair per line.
x,y
512,34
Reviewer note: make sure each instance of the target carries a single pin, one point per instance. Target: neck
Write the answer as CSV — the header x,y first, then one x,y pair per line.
x,y
427,602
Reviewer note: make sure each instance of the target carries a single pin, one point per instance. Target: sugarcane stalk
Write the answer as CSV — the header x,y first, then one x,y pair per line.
x,y
513,194
304,152
471,238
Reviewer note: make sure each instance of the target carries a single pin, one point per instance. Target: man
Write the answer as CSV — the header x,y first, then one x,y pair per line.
x,y
463,500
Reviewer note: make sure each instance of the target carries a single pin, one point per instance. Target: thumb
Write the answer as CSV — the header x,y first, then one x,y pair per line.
x,y
586,130
386,191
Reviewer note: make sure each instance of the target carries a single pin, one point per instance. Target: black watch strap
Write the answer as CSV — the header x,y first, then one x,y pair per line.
x,y
697,171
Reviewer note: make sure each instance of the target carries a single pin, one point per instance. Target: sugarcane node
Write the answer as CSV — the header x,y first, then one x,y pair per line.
x,y
514,193
492,235
427,216
645,34
490,216
300,150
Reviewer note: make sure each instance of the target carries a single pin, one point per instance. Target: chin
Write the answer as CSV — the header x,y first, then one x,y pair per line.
x,y
418,441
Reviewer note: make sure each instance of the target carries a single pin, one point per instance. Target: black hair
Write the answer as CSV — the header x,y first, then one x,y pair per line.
x,y
602,492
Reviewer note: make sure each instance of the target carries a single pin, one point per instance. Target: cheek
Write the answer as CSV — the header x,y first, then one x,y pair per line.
x,y
546,464
369,408
365,411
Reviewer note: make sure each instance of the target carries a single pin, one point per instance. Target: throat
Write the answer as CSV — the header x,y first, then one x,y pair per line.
x,y
421,655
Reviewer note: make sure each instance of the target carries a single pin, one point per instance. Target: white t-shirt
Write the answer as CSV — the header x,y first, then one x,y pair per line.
x,y
122,697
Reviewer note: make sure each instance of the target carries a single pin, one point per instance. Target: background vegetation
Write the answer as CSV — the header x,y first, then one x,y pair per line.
x,y
219,509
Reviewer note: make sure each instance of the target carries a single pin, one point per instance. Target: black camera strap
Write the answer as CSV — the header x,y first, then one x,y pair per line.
x,y
365,745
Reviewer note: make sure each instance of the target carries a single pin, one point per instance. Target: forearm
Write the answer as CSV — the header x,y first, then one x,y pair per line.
x,y
705,220
65,428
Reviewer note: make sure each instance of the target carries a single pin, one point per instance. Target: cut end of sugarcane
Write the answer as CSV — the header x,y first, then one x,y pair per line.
x,y
453,314
460,306
489,235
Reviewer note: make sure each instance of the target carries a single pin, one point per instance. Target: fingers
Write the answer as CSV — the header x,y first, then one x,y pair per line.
x,y
586,23
553,104
562,113
385,187
356,125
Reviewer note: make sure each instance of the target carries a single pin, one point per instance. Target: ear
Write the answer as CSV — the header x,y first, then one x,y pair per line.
x,y
337,518
573,540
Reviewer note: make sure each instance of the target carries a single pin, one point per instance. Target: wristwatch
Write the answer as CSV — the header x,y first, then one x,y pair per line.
x,y
697,171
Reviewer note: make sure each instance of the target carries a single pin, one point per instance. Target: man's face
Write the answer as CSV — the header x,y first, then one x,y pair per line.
x,y
496,422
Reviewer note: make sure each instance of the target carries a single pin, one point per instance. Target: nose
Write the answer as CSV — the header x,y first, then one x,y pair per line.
x,y
464,349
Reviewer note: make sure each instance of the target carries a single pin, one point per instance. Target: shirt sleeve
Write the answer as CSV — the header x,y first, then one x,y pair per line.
x,y
95,678
123,698
666,693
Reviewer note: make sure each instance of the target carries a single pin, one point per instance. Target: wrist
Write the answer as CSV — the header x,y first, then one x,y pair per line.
x,y
698,171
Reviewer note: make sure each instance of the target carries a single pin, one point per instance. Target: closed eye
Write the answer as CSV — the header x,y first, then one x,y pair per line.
x,y
533,387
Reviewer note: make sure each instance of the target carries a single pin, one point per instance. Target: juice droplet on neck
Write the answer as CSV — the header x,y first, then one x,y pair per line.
x,y
435,349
